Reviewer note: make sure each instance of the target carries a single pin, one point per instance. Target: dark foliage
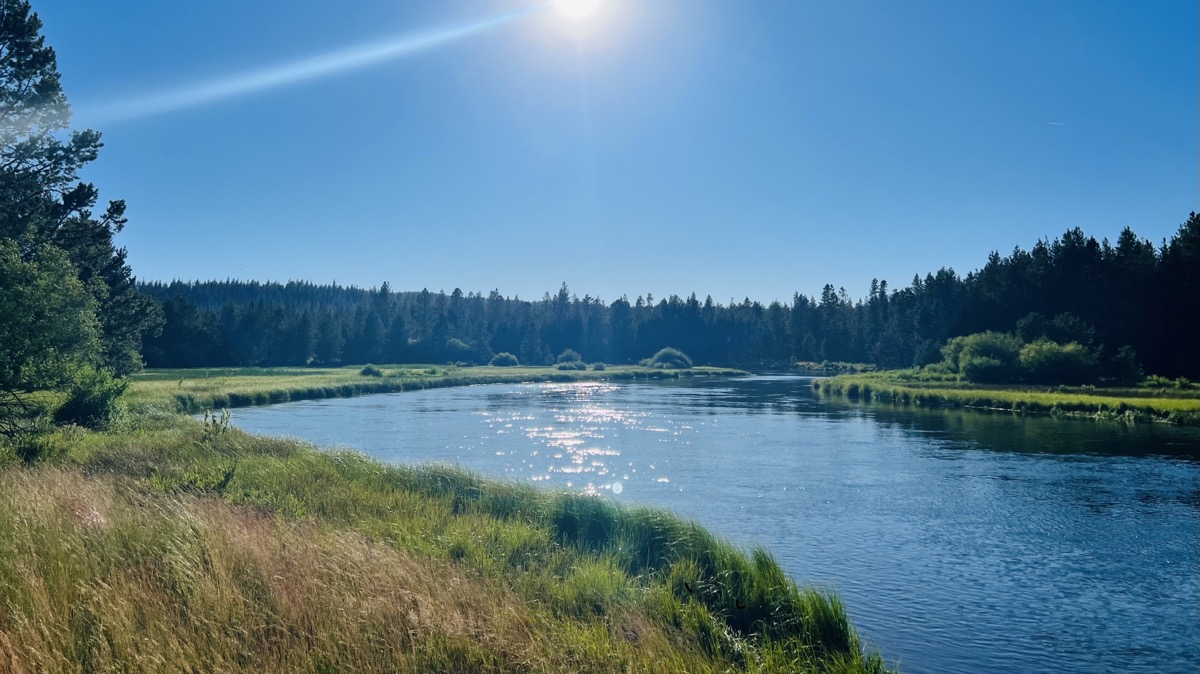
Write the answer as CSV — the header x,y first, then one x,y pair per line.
x,y
1074,289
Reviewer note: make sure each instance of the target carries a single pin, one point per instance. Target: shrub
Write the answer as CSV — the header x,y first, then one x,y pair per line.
x,y
1047,362
458,350
598,366
91,399
504,359
985,357
569,356
370,371
571,365
33,447
668,358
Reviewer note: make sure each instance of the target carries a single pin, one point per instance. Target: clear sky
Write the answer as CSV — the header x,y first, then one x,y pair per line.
x,y
732,148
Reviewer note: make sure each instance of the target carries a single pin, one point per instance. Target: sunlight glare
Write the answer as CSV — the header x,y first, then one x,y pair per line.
x,y
577,9
322,65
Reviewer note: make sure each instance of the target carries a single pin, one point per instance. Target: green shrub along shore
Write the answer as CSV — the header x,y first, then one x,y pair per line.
x,y
1156,399
171,543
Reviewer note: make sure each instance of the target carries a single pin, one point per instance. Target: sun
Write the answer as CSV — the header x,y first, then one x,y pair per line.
x,y
577,9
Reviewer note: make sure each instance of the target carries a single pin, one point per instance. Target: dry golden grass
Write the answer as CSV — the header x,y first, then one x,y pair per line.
x,y
96,576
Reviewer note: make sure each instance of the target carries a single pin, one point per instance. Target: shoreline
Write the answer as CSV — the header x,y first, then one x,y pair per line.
x,y
1125,405
170,539
193,391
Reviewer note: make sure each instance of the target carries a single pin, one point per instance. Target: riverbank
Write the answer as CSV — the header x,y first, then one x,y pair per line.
x,y
186,544
923,389
191,391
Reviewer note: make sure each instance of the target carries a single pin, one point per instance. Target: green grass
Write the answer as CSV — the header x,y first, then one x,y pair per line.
x,y
196,390
933,388
831,367
173,544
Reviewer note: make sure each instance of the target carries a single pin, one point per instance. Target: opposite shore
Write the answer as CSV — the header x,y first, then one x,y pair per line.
x,y
1168,402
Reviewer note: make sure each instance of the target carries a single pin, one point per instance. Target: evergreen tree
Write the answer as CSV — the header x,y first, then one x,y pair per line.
x,y
48,327
42,201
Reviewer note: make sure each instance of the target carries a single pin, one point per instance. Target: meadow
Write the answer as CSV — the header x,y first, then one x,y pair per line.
x,y
1157,399
196,390
171,543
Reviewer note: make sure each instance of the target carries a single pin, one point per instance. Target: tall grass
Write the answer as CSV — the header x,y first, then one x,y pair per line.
x,y
184,545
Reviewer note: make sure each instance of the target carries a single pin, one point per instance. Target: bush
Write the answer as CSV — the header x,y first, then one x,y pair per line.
x,y
569,356
459,351
572,365
92,399
370,371
504,359
984,357
668,358
598,367
1156,381
1047,362
33,447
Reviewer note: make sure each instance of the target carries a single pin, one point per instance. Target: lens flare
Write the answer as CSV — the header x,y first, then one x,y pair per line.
x,y
324,65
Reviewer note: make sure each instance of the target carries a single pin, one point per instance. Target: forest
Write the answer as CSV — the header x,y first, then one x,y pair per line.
x,y
1128,302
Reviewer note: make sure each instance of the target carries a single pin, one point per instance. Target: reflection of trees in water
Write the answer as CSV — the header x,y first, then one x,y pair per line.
x,y
1005,431
1000,431
751,395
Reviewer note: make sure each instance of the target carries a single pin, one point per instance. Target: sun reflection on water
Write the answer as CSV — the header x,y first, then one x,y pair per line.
x,y
587,435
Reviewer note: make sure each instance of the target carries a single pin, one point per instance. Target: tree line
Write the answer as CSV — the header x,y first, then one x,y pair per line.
x,y
1073,289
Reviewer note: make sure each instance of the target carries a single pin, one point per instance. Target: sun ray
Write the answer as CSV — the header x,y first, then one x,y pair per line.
x,y
315,67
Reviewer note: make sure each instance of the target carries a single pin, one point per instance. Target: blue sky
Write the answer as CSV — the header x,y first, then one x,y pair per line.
x,y
729,148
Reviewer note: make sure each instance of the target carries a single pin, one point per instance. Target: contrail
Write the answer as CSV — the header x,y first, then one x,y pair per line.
x,y
290,73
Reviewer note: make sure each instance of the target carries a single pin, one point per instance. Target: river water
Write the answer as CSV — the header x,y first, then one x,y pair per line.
x,y
959,541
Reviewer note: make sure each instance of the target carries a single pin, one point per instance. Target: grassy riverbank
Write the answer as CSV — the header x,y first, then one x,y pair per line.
x,y
1156,401
175,544
197,390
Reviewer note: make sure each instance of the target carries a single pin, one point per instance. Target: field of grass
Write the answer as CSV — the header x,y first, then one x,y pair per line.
x,y
172,544
1179,405
197,390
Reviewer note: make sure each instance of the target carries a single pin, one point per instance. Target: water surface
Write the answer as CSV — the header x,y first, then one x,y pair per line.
x,y
959,541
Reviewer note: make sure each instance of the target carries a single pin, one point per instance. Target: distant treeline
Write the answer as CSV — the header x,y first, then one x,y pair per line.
x,y
1103,295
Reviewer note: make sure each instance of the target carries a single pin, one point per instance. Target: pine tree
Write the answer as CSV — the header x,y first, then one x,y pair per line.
x,y
42,201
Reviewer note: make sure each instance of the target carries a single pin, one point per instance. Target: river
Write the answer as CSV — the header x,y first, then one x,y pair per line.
x,y
959,541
